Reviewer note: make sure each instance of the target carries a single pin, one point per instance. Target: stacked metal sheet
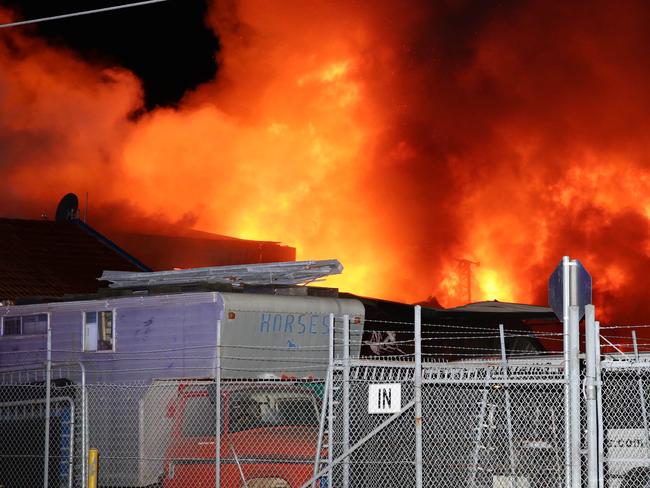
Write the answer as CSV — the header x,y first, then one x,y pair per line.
x,y
290,274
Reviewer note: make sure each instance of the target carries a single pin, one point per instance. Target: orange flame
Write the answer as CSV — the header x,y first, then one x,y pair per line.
x,y
393,139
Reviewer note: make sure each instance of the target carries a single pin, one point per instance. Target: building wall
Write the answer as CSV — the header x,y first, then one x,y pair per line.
x,y
168,252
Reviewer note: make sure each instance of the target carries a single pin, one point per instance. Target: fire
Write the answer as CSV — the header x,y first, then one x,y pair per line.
x,y
395,139
493,285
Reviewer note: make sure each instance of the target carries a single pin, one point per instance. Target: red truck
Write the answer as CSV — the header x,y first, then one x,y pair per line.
x,y
268,436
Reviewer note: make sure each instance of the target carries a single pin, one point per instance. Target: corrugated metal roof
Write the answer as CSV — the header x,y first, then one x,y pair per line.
x,y
50,258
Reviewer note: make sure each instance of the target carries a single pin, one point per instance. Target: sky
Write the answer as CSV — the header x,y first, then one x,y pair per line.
x,y
168,46
398,137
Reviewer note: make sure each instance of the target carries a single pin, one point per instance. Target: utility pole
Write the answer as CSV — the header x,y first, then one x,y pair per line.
x,y
465,274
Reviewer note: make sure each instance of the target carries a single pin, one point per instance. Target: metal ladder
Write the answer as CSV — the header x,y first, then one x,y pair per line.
x,y
481,426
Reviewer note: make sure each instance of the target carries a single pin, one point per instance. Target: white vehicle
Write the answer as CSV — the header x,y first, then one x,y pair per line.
x,y
626,425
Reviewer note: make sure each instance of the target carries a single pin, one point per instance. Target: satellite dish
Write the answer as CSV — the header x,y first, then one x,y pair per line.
x,y
68,208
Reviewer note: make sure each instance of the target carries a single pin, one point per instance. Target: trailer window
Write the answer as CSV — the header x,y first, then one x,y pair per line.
x,y
11,326
35,324
99,331
24,325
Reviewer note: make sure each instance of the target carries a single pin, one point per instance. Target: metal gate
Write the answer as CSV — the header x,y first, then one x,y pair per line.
x,y
483,425
511,422
497,422
43,432
625,420
22,424
487,425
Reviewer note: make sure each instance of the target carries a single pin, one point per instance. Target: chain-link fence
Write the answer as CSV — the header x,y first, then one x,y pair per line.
x,y
486,426
380,446
625,414
163,434
34,452
483,426
499,418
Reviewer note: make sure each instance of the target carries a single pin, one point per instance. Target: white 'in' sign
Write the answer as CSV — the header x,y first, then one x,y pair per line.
x,y
385,398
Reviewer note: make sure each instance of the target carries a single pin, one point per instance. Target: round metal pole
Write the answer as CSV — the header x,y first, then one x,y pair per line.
x,y
566,297
346,400
644,411
330,402
599,407
591,386
84,426
574,366
511,448
418,396
217,410
48,375
321,429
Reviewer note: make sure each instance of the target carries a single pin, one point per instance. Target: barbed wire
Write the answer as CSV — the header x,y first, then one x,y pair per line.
x,y
363,342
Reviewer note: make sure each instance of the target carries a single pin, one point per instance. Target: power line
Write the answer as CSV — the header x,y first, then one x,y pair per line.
x,y
77,14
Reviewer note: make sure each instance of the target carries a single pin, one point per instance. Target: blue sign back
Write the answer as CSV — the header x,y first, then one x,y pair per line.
x,y
579,288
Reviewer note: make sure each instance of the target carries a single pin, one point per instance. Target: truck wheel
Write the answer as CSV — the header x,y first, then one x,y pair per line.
x,y
637,478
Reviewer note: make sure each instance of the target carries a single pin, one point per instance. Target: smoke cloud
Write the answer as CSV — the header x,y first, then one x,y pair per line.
x,y
395,139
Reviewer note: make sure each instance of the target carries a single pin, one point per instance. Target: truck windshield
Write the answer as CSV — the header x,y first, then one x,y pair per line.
x,y
198,417
251,410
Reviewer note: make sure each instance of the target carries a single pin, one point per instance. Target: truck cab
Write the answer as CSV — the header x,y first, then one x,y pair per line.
x,y
268,435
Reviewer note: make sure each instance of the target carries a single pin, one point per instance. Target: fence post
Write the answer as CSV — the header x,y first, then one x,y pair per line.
x,y
599,407
511,448
48,375
84,427
574,368
566,299
644,411
93,467
346,400
418,396
217,410
591,397
321,428
330,401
